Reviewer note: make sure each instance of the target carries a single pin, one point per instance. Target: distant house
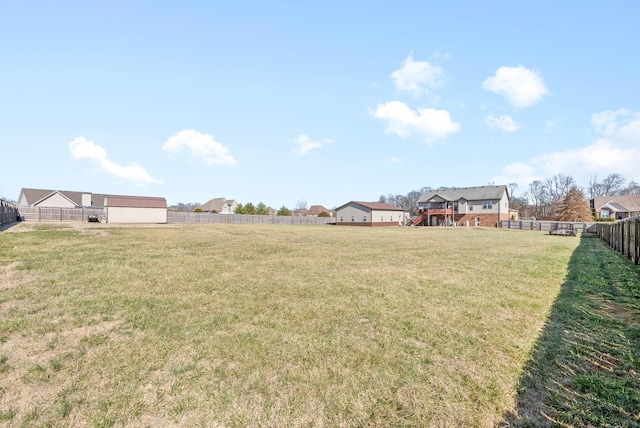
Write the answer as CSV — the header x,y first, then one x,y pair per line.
x,y
357,213
616,207
135,209
473,206
59,198
220,206
315,211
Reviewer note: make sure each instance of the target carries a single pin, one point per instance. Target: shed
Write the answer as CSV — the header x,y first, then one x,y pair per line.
x,y
135,209
357,213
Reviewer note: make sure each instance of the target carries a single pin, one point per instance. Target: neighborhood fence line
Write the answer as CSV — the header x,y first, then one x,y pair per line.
x,y
623,236
547,226
181,217
51,214
8,212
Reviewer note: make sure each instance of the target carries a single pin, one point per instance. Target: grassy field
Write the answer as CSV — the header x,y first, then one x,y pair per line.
x,y
282,326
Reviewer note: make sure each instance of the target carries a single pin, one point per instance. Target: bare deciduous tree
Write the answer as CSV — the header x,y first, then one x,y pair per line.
x,y
612,184
538,195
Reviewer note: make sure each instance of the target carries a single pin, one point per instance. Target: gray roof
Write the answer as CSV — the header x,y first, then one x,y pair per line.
x,y
627,203
480,193
34,196
377,206
216,204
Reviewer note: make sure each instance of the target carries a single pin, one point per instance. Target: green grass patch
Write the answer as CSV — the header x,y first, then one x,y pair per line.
x,y
251,325
584,371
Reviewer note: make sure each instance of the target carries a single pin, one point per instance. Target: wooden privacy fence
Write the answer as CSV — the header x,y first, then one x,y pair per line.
x,y
547,226
8,212
49,214
58,214
623,236
191,218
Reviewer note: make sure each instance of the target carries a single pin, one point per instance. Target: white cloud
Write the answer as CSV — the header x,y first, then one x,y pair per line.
x,y
417,77
395,160
305,144
616,151
201,147
81,148
521,86
504,123
431,124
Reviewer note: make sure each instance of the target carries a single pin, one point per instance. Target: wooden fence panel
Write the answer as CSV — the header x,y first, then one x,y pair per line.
x,y
546,226
622,236
178,217
8,212
51,214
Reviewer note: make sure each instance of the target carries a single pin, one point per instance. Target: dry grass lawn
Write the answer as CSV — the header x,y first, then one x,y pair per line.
x,y
281,326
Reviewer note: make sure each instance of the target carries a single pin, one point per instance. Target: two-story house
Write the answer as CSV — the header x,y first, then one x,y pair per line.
x,y
466,206
220,206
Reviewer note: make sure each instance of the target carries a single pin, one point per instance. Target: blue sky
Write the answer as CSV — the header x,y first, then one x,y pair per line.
x,y
324,102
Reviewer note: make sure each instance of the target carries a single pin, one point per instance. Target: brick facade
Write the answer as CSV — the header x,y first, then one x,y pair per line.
x,y
486,220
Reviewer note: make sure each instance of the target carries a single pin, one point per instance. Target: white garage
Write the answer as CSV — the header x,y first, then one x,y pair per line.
x,y
135,209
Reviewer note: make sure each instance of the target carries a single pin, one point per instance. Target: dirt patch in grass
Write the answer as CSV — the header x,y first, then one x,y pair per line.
x,y
29,368
11,276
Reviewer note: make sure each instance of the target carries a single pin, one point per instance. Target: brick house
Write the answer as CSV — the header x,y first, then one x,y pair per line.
x,y
472,206
616,207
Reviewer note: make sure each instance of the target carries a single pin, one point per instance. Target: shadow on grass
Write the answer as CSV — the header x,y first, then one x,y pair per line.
x,y
584,370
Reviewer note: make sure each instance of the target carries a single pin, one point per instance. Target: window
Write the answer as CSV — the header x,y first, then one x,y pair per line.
x,y
391,218
605,214
487,205
470,207
353,218
341,218
364,218
381,218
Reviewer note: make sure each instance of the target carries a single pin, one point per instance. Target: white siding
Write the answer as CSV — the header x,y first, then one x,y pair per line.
x,y
136,215
357,211
56,200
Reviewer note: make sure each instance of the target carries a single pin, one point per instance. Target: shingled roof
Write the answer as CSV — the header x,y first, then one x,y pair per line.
x,y
33,196
378,206
626,203
135,201
480,193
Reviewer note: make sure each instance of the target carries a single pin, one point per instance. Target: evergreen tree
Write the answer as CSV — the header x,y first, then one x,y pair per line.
x,y
262,209
284,211
574,207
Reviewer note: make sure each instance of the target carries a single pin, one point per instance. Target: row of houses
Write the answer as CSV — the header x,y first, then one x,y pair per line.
x,y
228,206
468,206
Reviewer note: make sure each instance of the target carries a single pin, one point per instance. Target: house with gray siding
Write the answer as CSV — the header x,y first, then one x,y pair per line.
x,y
466,206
